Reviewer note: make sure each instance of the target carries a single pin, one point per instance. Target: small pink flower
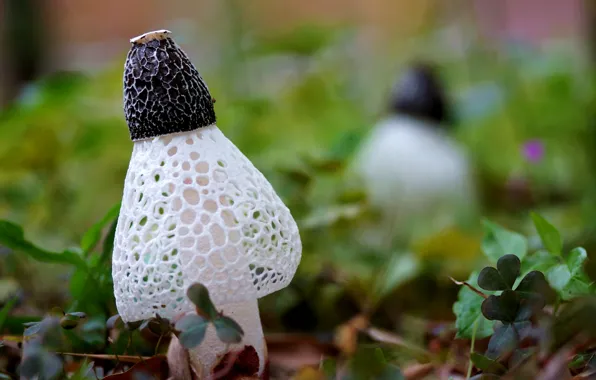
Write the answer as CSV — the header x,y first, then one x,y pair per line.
x,y
533,150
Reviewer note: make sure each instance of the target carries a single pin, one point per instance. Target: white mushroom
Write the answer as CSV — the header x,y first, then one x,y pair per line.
x,y
412,170
194,209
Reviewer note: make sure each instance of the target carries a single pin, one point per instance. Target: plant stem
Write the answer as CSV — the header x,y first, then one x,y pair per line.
x,y
470,364
158,343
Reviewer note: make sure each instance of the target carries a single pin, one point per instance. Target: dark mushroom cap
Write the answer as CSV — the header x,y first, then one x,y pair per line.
x,y
419,93
163,92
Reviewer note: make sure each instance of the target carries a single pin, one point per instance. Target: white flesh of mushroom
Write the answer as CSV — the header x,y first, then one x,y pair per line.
x,y
411,170
195,209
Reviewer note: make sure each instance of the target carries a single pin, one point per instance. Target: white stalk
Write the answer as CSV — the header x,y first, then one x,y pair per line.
x,y
205,357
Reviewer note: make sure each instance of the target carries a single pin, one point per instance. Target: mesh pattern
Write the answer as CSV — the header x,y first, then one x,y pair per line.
x,y
195,209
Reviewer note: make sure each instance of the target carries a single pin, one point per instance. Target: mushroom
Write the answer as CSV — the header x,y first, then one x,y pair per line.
x,y
194,209
412,170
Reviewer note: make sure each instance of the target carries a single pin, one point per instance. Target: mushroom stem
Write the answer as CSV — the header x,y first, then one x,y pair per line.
x,y
205,357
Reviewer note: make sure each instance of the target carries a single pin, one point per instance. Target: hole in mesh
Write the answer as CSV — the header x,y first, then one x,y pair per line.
x,y
205,218
194,156
234,236
176,204
202,167
188,242
186,257
186,165
229,218
189,141
188,216
216,260
218,235
203,244
230,253
210,205
168,189
172,151
202,180
191,196
226,200
222,163
143,221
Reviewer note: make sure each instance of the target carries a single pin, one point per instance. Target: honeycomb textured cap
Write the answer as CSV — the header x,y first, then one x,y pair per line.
x,y
195,209
163,92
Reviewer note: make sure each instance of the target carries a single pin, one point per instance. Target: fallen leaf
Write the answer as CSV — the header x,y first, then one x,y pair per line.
x,y
156,367
237,365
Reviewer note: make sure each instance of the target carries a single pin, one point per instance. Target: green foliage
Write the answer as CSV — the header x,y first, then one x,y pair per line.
x,y
13,237
199,295
549,234
192,327
93,235
498,242
468,310
487,365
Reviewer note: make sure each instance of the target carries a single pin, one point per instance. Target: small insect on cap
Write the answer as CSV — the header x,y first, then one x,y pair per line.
x,y
163,91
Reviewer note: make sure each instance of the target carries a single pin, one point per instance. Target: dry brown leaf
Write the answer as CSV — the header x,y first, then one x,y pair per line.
x,y
156,366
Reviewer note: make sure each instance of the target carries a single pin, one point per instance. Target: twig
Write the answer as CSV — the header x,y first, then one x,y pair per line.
x,y
158,343
418,371
469,286
390,338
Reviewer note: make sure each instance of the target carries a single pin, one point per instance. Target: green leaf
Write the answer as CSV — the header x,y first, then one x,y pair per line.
x,y
228,331
12,236
504,340
535,282
509,266
498,242
490,279
328,366
540,260
40,363
192,328
467,310
5,311
69,321
558,276
92,236
391,372
548,234
501,308
576,260
108,244
487,365
402,268
199,295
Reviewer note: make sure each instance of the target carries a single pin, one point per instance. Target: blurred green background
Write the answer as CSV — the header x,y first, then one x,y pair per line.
x,y
298,86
